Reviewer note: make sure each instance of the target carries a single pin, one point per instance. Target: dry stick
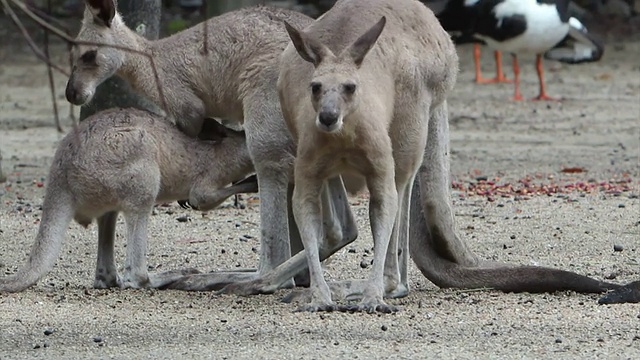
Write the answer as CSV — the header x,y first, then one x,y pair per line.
x,y
9,11
70,40
205,49
63,26
52,85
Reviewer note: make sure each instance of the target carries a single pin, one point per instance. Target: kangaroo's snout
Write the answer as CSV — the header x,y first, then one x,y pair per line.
x,y
77,97
328,118
71,94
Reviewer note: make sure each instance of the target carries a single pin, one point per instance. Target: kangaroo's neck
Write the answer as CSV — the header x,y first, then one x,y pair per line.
x,y
137,69
188,74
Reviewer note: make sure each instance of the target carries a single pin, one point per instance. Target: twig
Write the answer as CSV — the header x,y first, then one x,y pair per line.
x,y
9,11
70,40
52,85
62,25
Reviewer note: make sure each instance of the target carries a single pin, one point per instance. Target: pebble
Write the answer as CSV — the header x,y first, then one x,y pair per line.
x,y
384,327
97,339
364,264
48,331
618,247
184,218
621,205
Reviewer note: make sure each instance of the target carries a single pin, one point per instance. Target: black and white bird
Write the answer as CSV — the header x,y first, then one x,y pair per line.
x,y
454,17
540,27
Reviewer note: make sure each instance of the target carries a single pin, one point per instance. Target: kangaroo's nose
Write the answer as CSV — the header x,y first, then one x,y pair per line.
x,y
328,118
70,93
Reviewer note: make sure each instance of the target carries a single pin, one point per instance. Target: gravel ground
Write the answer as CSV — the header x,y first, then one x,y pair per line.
x,y
594,135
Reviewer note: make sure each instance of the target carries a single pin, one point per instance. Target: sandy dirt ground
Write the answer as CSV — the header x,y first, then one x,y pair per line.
x,y
595,130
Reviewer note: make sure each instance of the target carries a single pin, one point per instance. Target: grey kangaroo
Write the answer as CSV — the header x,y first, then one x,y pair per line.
x,y
126,160
365,114
369,116
236,80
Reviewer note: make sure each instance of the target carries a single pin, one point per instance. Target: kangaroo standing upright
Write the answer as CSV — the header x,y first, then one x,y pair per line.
x,y
235,79
400,104
371,92
126,160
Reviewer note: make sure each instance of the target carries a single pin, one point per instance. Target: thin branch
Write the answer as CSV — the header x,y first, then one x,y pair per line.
x,y
9,11
52,85
70,40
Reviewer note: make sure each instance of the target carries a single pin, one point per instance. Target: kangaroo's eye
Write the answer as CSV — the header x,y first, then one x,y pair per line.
x,y
89,56
349,88
315,88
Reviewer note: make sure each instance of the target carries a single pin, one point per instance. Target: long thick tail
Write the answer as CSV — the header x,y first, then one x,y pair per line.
x,y
577,47
436,257
57,213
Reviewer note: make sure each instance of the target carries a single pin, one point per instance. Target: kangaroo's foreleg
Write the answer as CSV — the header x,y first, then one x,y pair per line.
x,y
106,275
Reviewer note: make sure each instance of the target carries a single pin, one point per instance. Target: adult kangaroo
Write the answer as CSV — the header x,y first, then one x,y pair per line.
x,y
235,79
398,91
126,160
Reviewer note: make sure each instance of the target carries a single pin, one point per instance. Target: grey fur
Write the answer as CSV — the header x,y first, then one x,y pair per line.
x,y
126,160
234,80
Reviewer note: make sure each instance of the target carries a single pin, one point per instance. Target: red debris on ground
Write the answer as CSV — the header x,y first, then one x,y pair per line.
x,y
531,186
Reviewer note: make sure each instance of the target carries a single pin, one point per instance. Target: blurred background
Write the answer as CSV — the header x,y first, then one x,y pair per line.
x,y
617,17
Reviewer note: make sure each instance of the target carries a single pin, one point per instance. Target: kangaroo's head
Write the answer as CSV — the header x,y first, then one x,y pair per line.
x,y
92,65
334,85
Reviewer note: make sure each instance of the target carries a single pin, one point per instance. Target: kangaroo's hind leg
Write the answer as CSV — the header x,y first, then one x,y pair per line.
x,y
106,271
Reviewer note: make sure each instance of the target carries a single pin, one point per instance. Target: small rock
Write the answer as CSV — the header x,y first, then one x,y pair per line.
x,y
512,237
352,251
97,339
618,247
621,205
48,331
184,218
36,346
558,341
364,264
384,328
481,178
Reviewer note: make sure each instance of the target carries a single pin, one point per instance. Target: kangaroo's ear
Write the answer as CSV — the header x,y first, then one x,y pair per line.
x,y
103,11
359,49
307,46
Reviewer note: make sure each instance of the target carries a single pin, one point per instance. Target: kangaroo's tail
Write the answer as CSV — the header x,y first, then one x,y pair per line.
x,y
57,213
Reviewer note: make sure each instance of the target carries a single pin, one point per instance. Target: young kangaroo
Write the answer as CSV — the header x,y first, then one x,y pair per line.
x,y
372,116
126,160
233,80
